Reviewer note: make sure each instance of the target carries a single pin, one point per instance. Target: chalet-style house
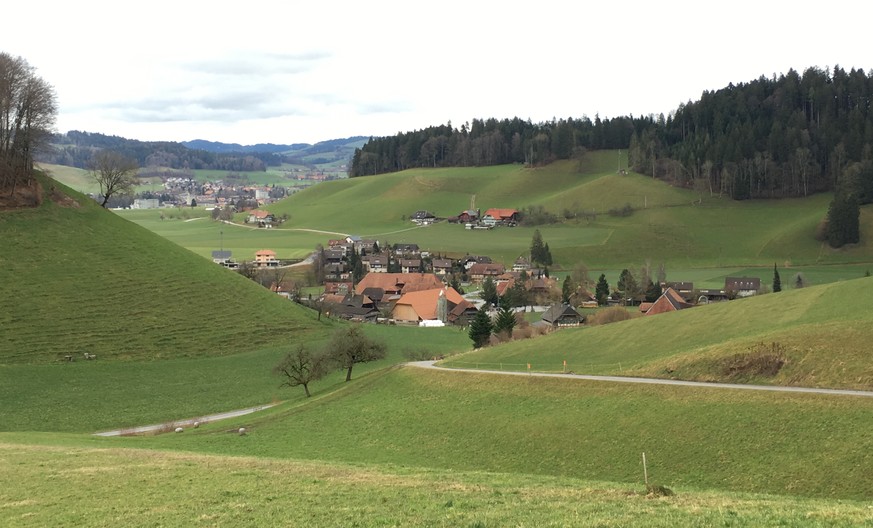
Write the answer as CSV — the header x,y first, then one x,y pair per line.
x,y
521,264
423,217
685,289
469,216
221,256
442,266
468,261
410,265
266,258
355,308
406,249
742,286
437,304
261,218
494,217
562,315
669,301
480,272
376,263
337,288
395,284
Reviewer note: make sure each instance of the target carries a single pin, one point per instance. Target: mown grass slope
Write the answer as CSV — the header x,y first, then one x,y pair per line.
x,y
77,279
673,225
63,485
822,334
699,438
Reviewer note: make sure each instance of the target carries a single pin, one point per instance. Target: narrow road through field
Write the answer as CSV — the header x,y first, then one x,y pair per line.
x,y
652,381
184,423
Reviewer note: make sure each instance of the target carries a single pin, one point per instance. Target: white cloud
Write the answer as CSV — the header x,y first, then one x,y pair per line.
x,y
287,72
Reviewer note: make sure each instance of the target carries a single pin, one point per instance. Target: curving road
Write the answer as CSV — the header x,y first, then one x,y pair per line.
x,y
188,422
652,381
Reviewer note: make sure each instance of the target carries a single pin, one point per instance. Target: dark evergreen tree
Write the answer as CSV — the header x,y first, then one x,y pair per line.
x,y
653,291
843,225
537,248
568,289
505,321
480,328
777,282
489,292
601,291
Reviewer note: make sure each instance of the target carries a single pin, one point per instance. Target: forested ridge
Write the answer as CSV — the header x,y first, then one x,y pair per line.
x,y
783,136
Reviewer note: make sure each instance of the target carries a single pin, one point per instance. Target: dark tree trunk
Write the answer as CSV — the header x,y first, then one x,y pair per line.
x,y
349,373
306,389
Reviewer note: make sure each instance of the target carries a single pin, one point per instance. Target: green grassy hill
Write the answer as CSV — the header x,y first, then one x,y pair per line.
x,y
821,333
671,225
77,279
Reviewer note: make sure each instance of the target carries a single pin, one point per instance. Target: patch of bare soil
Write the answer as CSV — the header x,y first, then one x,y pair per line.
x,y
22,197
62,199
763,360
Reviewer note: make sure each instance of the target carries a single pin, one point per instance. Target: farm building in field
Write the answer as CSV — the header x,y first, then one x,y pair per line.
x,y
494,217
669,301
562,315
742,286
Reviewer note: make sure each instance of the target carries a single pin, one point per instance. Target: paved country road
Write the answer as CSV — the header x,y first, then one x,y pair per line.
x,y
652,381
182,423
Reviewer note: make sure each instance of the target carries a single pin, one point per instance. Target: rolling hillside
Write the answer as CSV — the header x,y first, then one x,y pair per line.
x,y
819,334
668,224
80,279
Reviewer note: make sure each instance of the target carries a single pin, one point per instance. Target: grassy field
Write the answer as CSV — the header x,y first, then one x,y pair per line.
x,y
80,279
691,234
47,485
694,438
822,334
178,337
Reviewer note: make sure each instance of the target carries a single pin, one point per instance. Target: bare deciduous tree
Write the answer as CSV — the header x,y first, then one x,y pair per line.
x,y
115,173
302,367
28,108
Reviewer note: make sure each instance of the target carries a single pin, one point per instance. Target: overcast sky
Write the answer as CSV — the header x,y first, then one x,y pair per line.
x,y
291,72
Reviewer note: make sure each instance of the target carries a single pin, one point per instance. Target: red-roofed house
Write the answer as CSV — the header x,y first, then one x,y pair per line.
x,y
432,305
479,272
266,258
500,216
669,301
397,283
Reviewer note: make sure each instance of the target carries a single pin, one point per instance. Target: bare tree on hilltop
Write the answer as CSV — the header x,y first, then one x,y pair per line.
x,y
28,108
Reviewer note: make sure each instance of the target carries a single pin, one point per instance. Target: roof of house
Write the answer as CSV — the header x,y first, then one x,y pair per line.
x,y
502,286
424,302
501,213
257,213
486,269
221,254
399,282
558,311
742,283
265,253
669,301
442,263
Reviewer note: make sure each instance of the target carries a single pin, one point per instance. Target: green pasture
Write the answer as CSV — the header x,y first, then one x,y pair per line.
x,y
88,396
694,438
195,230
80,279
44,485
823,332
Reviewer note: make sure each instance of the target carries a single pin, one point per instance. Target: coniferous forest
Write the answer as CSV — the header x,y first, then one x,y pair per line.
x,y
786,136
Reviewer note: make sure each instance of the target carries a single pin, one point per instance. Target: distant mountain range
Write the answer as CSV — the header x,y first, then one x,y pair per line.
x,y
75,149
291,150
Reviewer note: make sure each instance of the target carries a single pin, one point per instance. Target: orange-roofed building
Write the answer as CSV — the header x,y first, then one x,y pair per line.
x,y
431,305
501,216
397,283
265,258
